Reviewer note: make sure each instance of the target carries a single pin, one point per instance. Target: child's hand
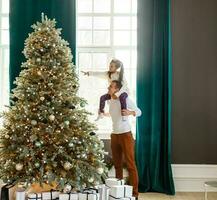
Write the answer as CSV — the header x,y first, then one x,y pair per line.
x,y
85,73
106,114
126,112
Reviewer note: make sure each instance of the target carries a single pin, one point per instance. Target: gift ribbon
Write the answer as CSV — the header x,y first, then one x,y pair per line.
x,y
120,197
90,192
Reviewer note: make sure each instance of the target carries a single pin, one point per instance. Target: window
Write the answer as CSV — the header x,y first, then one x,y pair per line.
x,y
106,29
4,53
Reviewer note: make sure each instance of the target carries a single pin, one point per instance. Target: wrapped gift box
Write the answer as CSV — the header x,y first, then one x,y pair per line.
x,y
7,192
128,191
117,191
114,181
88,196
20,194
52,195
68,196
34,196
103,192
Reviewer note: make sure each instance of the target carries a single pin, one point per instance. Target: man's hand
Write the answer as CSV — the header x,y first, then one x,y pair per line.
x,y
126,112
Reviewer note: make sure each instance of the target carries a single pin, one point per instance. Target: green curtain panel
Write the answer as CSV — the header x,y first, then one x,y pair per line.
x,y
26,12
153,141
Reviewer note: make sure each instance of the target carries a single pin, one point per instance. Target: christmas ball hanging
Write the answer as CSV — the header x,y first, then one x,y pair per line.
x,y
51,117
19,166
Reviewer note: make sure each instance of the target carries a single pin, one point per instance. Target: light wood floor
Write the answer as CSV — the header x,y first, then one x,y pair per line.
x,y
178,196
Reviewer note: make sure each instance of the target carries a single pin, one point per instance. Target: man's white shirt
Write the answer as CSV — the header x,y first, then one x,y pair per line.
x,y
120,126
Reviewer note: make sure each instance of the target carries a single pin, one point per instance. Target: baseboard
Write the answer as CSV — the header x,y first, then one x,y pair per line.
x,y
189,178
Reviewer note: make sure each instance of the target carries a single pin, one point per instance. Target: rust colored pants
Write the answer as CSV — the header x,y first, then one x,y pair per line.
x,y
122,146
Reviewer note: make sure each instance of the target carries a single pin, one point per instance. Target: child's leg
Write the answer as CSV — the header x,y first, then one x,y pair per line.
x,y
103,99
122,99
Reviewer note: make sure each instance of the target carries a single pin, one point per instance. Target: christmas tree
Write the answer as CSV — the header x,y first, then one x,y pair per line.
x,y
46,136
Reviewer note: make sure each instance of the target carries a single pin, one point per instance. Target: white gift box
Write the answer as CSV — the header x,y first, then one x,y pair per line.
x,y
114,181
34,196
50,195
123,198
128,191
103,192
117,191
88,196
20,194
69,196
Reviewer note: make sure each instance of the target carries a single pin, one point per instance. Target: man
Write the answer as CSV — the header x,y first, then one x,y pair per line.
x,y
122,142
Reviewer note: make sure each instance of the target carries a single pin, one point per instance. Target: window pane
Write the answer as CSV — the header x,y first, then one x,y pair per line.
x,y
84,23
100,60
134,23
84,60
4,37
101,37
101,23
4,23
5,6
134,58
102,6
85,6
122,6
121,22
84,37
124,56
121,38
134,6
134,38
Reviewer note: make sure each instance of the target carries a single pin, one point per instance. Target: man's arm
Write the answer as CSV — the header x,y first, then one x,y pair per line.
x,y
132,109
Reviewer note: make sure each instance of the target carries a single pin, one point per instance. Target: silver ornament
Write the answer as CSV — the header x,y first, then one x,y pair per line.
x,y
67,166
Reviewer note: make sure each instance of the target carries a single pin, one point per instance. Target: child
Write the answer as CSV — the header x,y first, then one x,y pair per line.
x,y
110,75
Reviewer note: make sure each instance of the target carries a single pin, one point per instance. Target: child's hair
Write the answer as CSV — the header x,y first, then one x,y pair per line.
x,y
118,65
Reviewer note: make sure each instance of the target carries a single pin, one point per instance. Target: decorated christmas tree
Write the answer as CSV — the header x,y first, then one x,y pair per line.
x,y
46,136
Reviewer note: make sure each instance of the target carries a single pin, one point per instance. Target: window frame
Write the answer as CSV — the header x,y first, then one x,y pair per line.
x,y
109,49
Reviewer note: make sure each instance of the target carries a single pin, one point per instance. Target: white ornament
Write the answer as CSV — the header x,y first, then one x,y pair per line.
x,y
38,59
19,166
90,179
42,98
51,117
66,123
67,166
34,122
67,189
100,170
7,136
39,73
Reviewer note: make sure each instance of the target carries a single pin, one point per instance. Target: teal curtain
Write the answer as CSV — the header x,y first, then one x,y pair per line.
x,y
154,84
26,12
